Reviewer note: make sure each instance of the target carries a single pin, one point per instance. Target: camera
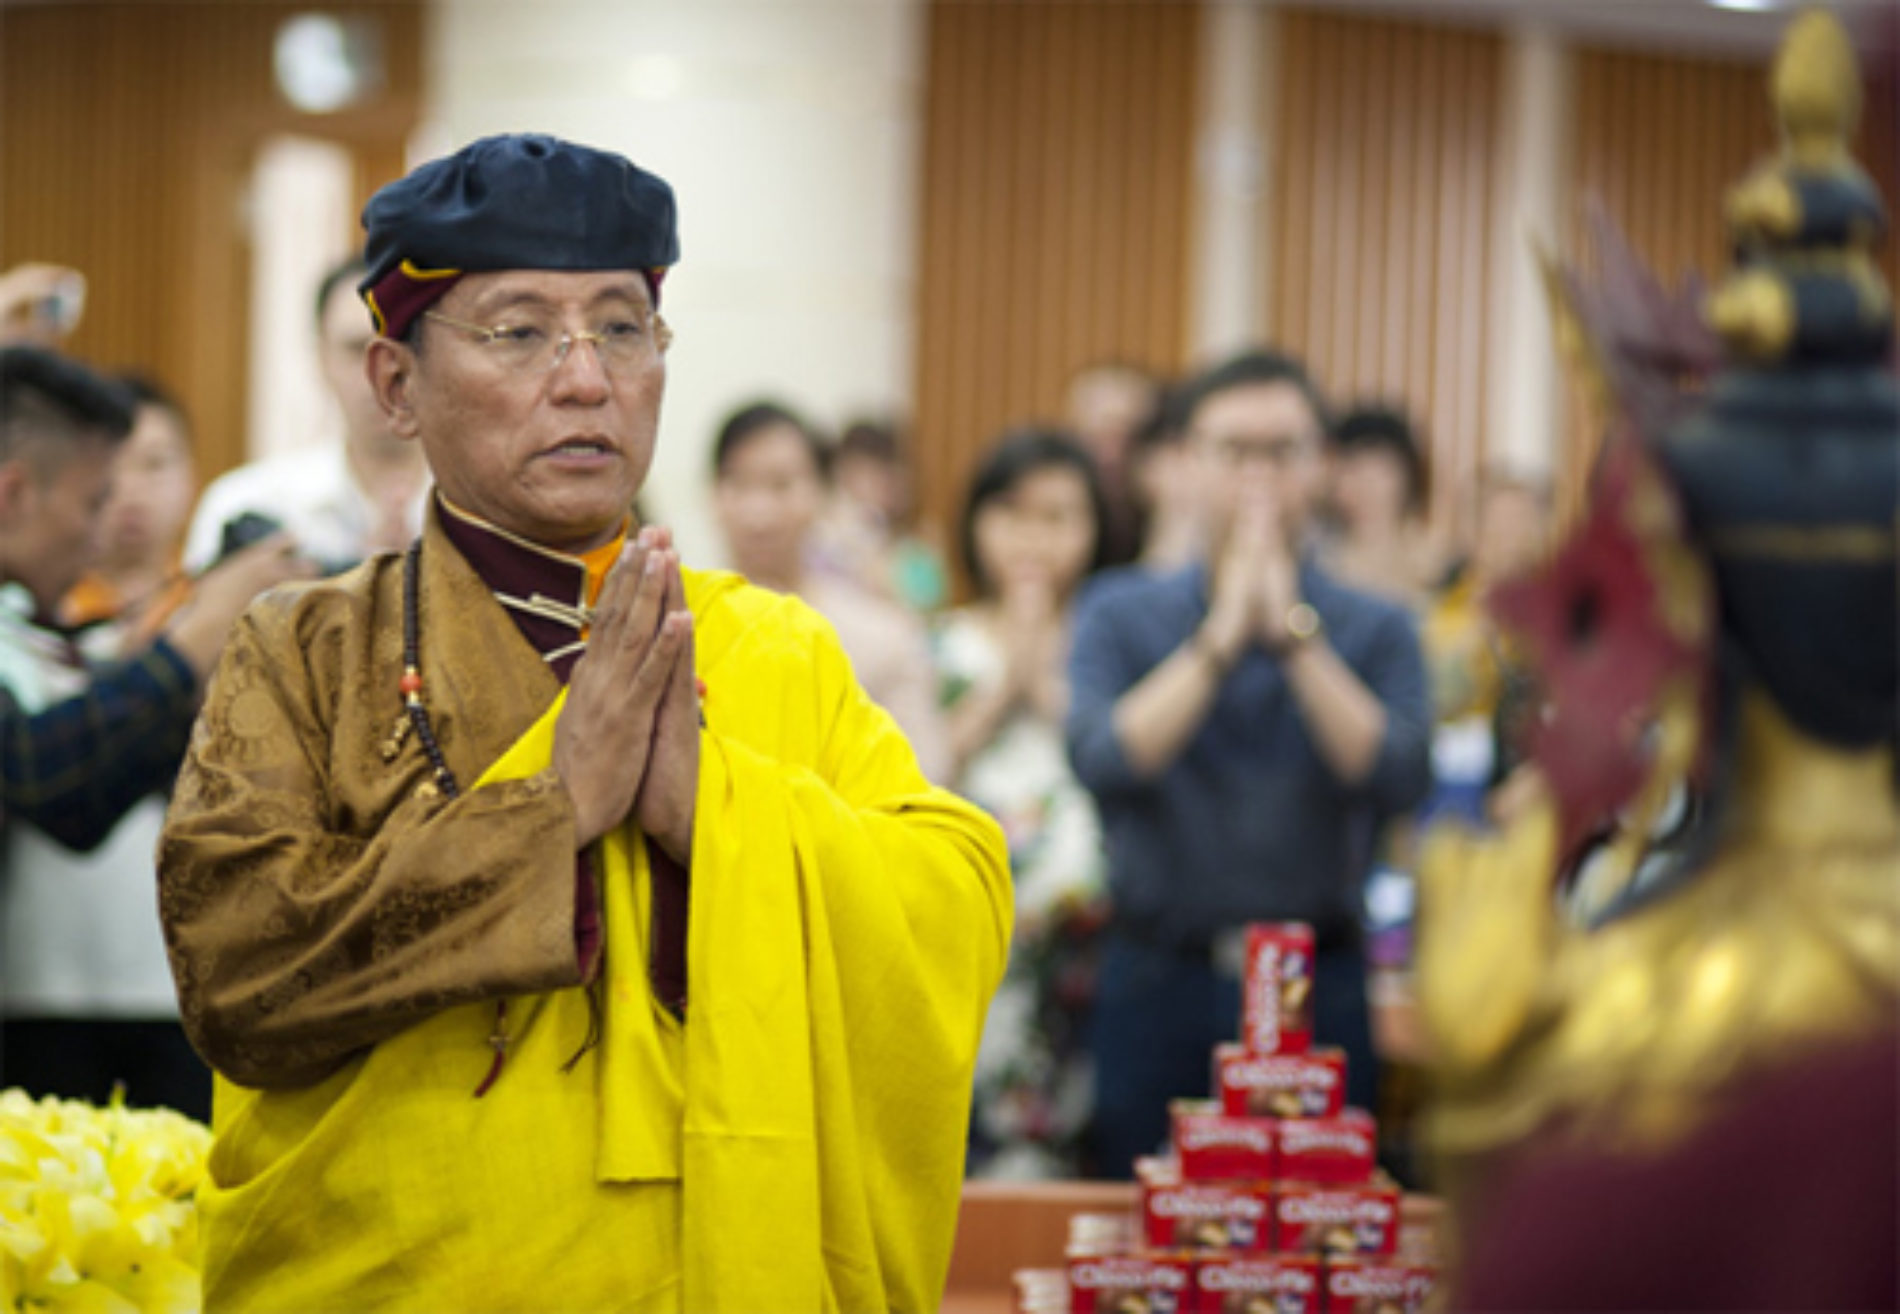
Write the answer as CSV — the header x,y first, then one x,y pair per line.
x,y
243,530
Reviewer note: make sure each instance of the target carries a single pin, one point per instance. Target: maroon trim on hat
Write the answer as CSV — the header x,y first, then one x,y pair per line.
x,y
404,293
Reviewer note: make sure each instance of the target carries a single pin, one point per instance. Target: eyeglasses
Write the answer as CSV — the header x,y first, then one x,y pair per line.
x,y
1278,451
622,344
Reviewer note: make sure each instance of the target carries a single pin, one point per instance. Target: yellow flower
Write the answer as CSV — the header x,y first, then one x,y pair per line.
x,y
96,1207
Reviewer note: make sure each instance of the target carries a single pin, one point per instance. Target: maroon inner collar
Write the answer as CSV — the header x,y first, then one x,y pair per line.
x,y
543,591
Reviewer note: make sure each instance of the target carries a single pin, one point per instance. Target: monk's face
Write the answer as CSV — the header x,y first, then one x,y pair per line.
x,y
551,452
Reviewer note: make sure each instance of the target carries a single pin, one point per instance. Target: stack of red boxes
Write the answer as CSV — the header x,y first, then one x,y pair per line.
x,y
1271,1202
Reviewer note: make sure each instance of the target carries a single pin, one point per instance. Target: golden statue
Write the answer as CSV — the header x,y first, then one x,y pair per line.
x,y
1700,883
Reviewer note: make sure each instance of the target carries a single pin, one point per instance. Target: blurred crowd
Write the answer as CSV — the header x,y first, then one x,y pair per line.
x,y
1198,645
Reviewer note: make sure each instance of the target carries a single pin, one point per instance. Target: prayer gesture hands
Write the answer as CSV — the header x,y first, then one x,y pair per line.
x,y
1034,644
629,734
669,795
1256,583
1278,587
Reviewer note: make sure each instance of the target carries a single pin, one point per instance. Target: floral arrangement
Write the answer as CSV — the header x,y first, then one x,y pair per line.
x,y
97,1213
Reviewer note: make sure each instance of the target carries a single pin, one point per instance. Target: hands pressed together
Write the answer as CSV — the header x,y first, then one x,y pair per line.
x,y
1256,584
1035,647
627,743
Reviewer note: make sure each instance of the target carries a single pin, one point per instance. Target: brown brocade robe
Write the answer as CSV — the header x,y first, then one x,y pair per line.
x,y
308,906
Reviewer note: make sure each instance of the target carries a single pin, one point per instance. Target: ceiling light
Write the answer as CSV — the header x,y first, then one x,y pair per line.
x,y
1748,6
324,64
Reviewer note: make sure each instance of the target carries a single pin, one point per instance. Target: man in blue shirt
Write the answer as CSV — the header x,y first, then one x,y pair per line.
x,y
1244,727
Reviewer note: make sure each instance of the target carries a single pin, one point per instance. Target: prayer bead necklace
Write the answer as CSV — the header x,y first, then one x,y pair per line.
x,y
411,688
411,683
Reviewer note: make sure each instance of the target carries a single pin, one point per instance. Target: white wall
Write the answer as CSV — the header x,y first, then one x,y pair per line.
x,y
790,131
301,198
1523,379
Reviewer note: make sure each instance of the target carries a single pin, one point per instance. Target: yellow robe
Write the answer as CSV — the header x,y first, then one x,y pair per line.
x,y
795,1145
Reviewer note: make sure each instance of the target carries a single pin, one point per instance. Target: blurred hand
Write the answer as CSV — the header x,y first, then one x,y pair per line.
x,y
668,800
26,293
1036,647
1278,580
604,737
1031,629
223,592
1233,614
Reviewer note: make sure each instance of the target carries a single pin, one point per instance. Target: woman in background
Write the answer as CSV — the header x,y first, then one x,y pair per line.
x,y
1031,532
769,489
1379,495
871,529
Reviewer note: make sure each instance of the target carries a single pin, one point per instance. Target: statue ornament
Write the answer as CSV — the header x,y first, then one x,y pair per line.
x,y
1701,878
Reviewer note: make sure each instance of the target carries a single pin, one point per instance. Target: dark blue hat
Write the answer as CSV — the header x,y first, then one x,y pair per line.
x,y
522,201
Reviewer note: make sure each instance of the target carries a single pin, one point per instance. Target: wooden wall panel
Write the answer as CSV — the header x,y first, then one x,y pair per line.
x,y
1058,148
1661,139
128,133
1380,220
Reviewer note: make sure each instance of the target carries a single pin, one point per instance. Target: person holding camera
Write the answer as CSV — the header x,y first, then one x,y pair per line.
x,y
341,501
87,753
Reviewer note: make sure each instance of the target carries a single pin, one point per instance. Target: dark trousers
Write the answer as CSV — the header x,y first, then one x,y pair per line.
x,y
1158,1015
82,1059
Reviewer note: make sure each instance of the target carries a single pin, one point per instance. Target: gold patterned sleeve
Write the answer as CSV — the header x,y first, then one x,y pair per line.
x,y
313,904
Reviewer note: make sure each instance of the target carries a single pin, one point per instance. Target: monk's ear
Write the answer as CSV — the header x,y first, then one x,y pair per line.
x,y
391,367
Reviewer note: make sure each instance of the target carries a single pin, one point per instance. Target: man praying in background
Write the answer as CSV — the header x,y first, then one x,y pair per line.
x,y
568,929
1244,725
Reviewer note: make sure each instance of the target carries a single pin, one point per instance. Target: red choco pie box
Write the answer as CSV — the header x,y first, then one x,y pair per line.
x,y
1208,1216
1277,989
1153,1174
1372,1287
1309,1085
1336,1220
1212,1146
1341,1149
1254,1284
1131,1284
